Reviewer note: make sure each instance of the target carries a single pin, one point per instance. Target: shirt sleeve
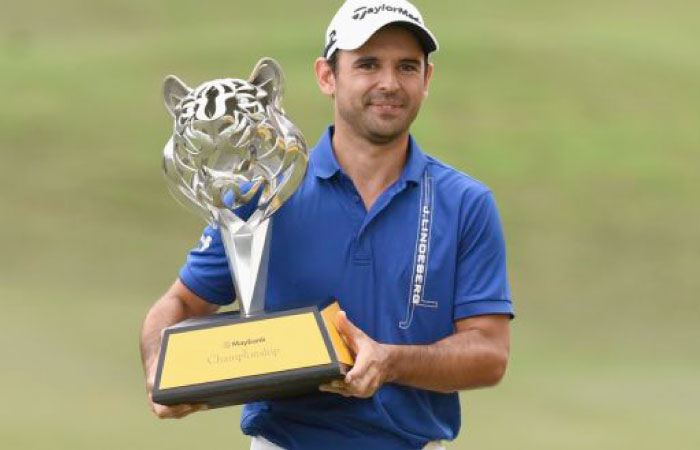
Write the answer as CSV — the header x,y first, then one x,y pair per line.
x,y
482,282
206,271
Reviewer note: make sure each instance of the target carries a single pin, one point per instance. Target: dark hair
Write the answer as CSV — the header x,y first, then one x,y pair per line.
x,y
333,62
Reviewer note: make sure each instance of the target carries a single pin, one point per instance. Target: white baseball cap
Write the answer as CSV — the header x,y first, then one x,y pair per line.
x,y
357,21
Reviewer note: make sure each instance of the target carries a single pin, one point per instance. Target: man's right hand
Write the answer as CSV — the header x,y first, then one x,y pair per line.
x,y
177,304
165,411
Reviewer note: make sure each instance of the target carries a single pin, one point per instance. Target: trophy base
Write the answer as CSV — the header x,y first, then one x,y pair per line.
x,y
227,359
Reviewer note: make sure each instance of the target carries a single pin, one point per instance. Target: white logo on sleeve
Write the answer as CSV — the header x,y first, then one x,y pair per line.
x,y
420,258
204,243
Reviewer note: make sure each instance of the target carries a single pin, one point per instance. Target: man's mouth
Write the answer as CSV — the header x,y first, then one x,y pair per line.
x,y
386,106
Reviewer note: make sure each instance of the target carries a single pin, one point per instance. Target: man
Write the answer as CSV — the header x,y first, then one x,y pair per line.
x,y
412,249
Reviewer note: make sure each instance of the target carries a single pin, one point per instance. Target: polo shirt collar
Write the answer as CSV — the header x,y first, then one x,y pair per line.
x,y
322,158
325,165
415,165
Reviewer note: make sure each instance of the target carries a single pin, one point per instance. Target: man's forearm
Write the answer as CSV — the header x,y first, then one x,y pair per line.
x,y
474,356
165,312
465,360
178,304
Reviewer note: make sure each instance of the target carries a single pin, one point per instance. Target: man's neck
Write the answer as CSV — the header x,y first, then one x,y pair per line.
x,y
371,167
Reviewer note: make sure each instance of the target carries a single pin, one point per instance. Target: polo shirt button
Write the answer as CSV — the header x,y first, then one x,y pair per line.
x,y
356,198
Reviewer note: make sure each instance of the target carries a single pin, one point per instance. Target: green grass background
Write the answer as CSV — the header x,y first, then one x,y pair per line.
x,y
583,117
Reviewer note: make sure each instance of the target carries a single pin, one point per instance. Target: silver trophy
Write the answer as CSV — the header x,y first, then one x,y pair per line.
x,y
232,145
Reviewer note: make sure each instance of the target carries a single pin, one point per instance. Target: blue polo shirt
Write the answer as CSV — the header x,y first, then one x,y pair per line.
x,y
428,253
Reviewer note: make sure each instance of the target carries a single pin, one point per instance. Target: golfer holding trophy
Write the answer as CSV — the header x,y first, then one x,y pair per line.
x,y
371,277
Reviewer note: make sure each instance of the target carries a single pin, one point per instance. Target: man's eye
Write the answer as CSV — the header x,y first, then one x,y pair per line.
x,y
409,68
367,65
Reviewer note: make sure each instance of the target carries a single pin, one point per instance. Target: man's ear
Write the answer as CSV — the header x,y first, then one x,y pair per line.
x,y
428,77
174,90
325,77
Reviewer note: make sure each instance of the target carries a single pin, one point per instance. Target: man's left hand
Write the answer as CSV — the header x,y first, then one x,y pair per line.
x,y
372,363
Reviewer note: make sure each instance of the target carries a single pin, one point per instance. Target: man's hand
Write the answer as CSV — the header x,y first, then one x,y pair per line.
x,y
372,363
474,356
168,412
177,304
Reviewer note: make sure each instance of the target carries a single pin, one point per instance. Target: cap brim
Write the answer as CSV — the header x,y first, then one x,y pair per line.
x,y
425,37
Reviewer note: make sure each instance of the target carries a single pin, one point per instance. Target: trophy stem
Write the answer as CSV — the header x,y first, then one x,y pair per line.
x,y
247,248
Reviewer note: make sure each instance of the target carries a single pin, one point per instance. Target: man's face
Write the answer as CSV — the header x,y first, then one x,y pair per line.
x,y
379,87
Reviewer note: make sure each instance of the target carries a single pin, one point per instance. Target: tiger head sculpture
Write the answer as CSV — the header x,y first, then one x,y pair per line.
x,y
233,143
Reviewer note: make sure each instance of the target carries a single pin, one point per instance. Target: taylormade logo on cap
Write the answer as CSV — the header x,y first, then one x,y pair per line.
x,y
357,20
362,11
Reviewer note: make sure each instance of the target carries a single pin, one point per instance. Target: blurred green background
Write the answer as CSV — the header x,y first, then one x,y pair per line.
x,y
583,117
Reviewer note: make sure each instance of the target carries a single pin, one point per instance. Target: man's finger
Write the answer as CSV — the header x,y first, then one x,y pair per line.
x,y
180,412
177,411
364,384
170,412
328,387
363,388
349,331
196,408
358,370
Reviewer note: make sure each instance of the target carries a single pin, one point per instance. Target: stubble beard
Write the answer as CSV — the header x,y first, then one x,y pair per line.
x,y
372,127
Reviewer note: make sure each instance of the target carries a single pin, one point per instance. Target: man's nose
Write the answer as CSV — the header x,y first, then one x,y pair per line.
x,y
388,79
